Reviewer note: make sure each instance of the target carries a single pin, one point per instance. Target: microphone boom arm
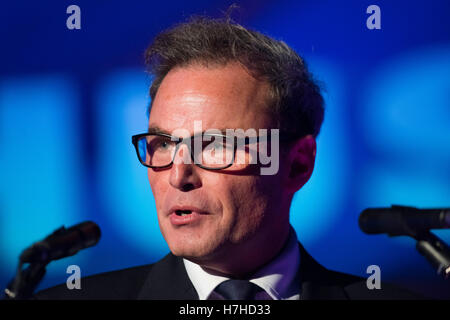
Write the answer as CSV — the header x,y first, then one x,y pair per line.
x,y
415,223
25,281
435,251
60,244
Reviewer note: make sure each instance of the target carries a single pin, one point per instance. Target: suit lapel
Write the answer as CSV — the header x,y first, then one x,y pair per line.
x,y
168,280
316,282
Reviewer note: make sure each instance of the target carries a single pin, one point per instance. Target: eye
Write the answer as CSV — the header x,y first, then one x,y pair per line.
x,y
218,146
163,145
159,144
215,146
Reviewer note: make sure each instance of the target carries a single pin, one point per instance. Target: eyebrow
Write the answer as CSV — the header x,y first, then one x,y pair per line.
x,y
155,129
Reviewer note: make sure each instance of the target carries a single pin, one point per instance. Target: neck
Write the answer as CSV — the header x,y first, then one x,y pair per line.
x,y
249,257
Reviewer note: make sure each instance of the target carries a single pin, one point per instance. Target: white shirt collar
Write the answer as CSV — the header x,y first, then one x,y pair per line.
x,y
278,278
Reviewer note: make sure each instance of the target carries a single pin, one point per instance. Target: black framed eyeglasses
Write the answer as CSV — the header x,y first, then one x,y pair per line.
x,y
207,150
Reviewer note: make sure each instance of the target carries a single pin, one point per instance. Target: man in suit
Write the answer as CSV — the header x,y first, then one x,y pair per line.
x,y
222,203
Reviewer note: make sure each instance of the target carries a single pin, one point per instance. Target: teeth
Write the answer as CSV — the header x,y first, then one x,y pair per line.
x,y
183,212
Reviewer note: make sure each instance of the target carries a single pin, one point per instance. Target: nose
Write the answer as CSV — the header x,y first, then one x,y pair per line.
x,y
183,173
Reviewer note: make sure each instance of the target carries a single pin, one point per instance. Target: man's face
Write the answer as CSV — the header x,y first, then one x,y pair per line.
x,y
228,207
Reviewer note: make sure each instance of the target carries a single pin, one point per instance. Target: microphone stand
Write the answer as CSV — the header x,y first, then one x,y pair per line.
x,y
60,244
25,281
436,251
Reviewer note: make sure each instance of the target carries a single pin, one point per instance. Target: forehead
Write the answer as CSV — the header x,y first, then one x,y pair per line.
x,y
220,97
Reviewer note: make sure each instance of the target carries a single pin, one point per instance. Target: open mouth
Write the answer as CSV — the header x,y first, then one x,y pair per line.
x,y
182,212
183,216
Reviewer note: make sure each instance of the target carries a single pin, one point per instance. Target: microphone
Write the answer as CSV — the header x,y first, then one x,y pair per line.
x,y
62,243
402,220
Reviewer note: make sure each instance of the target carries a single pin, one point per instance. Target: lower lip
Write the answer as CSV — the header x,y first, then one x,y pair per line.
x,y
186,219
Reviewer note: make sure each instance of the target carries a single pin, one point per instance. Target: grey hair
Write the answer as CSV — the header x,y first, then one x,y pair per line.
x,y
295,100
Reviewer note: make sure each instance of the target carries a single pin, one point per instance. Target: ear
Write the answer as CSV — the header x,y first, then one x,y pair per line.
x,y
301,159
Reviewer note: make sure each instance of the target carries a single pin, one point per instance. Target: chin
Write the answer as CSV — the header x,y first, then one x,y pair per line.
x,y
193,250
180,246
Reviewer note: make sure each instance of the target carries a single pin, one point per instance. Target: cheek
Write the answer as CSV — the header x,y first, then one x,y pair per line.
x,y
257,197
245,156
250,203
157,185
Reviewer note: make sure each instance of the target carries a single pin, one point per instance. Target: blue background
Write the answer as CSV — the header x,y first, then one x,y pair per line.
x,y
71,99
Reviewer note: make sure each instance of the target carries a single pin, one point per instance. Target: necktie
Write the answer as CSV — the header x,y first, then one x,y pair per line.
x,y
238,290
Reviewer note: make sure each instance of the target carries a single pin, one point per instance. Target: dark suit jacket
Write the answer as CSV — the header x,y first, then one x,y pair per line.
x,y
167,279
